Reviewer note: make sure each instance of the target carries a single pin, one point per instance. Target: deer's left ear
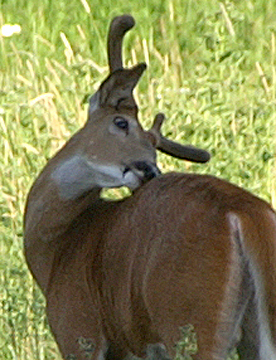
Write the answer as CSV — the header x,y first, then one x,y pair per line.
x,y
117,89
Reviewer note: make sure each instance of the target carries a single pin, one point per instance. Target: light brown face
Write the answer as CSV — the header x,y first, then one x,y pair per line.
x,y
111,150
116,145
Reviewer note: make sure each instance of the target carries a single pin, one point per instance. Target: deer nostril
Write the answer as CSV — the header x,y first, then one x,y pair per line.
x,y
149,170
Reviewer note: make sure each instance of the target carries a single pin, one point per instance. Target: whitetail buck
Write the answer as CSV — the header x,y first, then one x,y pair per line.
x,y
122,277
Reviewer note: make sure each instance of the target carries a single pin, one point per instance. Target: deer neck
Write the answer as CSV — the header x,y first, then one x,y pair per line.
x,y
64,190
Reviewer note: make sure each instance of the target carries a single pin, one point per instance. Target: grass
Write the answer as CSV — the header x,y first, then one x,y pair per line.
x,y
211,70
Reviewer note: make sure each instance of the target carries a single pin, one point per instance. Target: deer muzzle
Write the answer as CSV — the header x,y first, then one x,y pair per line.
x,y
140,172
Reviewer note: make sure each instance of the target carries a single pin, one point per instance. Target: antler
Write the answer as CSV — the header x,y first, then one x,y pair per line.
x,y
185,152
119,26
117,90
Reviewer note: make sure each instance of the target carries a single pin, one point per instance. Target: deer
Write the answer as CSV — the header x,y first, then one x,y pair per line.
x,y
121,277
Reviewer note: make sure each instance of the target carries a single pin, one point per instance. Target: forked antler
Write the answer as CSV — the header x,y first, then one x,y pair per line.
x,y
118,28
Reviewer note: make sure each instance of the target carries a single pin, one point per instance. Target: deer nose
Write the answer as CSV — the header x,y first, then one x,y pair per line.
x,y
149,170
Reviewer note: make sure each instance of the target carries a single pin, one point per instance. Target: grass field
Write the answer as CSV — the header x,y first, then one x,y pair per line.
x,y
211,70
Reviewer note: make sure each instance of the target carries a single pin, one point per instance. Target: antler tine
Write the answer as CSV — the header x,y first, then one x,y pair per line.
x,y
186,152
119,26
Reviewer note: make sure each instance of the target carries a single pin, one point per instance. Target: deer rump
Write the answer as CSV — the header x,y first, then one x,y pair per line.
x,y
179,253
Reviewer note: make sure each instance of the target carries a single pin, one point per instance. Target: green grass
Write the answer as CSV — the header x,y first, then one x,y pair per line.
x,y
211,70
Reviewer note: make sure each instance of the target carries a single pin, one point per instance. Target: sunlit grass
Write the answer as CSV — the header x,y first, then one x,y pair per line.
x,y
211,70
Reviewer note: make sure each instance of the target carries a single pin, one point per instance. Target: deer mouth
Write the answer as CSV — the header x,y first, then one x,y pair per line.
x,y
138,173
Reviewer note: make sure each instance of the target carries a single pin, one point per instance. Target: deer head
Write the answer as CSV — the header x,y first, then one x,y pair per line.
x,y
115,150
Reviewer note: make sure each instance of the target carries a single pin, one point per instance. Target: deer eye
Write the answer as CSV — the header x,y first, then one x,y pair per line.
x,y
121,123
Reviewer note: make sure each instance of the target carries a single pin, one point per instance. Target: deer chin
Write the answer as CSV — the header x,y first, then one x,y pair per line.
x,y
132,180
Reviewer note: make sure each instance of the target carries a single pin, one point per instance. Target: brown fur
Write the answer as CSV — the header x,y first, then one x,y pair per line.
x,y
130,273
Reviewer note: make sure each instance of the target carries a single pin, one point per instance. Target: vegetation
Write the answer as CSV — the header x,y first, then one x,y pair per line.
x,y
211,70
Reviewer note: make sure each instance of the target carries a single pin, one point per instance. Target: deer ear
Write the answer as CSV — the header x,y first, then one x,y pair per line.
x,y
117,89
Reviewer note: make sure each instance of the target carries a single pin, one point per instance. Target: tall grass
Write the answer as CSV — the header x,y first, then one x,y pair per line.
x,y
211,70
